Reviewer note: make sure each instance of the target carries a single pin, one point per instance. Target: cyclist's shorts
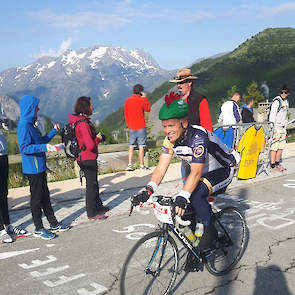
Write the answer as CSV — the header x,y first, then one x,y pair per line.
x,y
218,179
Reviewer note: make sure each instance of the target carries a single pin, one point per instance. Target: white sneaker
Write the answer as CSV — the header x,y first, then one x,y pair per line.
x,y
5,237
142,167
129,167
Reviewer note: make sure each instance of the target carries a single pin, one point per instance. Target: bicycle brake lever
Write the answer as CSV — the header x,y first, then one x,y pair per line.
x,y
131,209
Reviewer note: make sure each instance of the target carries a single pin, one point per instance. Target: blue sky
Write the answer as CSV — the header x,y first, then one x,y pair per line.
x,y
175,33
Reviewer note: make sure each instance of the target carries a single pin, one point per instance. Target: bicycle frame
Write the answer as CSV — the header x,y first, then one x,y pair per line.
x,y
178,234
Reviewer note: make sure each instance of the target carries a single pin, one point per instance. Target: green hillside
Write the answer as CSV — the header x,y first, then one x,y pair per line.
x,y
268,56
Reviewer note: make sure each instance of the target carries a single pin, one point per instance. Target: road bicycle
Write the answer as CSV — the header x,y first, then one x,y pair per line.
x,y
152,264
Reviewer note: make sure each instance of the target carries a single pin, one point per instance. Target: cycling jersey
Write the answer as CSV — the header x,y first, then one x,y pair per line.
x,y
201,146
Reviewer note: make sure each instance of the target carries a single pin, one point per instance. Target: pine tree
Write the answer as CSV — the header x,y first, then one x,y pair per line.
x,y
253,92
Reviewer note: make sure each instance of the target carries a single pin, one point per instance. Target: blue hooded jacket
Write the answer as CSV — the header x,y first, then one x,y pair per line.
x,y
31,145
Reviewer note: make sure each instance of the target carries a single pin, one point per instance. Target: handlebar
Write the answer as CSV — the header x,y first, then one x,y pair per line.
x,y
154,200
179,220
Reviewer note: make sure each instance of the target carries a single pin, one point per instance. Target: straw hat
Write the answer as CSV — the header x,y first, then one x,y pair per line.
x,y
182,75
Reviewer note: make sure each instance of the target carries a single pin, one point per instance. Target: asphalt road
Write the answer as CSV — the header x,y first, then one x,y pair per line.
x,y
87,260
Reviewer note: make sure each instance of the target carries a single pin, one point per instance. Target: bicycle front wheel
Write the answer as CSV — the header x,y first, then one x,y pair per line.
x,y
151,266
232,233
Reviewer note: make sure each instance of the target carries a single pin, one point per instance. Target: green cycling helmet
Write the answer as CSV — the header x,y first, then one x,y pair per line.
x,y
177,109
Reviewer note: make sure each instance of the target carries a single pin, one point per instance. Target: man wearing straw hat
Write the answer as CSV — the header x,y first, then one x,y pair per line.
x,y
198,108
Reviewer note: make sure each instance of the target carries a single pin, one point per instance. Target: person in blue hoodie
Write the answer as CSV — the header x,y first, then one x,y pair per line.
x,y
247,111
33,147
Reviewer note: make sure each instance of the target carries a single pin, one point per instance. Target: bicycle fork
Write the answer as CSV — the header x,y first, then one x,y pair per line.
x,y
156,273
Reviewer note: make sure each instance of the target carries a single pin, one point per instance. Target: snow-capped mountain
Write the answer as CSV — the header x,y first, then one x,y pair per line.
x,y
9,108
106,74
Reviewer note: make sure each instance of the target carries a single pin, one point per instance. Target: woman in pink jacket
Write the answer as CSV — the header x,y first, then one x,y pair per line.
x,y
88,141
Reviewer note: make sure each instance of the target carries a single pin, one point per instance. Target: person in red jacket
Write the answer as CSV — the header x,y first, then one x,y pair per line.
x,y
88,141
198,108
134,109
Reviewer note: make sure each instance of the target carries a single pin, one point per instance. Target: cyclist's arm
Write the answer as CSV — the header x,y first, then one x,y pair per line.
x,y
161,168
193,178
191,183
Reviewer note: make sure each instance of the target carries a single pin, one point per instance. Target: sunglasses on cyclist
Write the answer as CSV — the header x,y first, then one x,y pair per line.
x,y
284,92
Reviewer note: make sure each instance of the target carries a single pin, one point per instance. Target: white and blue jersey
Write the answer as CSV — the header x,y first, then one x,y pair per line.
x,y
201,146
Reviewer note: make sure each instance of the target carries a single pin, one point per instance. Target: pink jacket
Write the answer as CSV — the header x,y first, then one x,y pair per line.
x,y
86,137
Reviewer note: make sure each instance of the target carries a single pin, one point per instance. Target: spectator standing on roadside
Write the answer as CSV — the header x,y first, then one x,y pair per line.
x,y
279,116
229,111
88,141
7,231
134,109
247,111
32,147
198,107
229,115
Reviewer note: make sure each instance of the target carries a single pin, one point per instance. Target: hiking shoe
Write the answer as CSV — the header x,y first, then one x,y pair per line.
x,y
129,167
142,167
281,168
16,230
98,217
276,169
5,237
59,227
44,234
103,209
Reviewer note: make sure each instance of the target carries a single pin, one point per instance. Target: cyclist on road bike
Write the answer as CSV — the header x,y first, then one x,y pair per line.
x,y
210,167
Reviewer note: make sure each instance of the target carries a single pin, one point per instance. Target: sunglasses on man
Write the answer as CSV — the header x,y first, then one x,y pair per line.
x,y
284,92
182,82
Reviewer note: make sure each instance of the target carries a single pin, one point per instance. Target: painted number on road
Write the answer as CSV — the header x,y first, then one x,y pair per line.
x,y
132,234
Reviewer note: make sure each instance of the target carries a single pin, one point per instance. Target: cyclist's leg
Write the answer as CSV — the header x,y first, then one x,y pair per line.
x,y
209,183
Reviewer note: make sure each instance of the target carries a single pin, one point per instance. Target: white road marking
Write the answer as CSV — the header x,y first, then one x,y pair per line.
x,y
50,245
99,289
16,253
36,263
131,228
63,279
49,271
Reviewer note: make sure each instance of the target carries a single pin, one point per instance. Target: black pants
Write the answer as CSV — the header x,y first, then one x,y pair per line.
x,y
40,200
4,216
93,201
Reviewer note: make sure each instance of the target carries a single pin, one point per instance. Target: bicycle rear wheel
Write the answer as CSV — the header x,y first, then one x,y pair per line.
x,y
232,232
151,266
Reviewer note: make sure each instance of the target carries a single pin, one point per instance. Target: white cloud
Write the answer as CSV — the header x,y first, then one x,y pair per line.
x,y
284,8
65,45
261,10
81,19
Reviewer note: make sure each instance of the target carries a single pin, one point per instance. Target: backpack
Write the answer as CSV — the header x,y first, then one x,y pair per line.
x,y
70,141
279,108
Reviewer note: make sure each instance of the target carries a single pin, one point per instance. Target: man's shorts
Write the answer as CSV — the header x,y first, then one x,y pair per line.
x,y
278,140
137,136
